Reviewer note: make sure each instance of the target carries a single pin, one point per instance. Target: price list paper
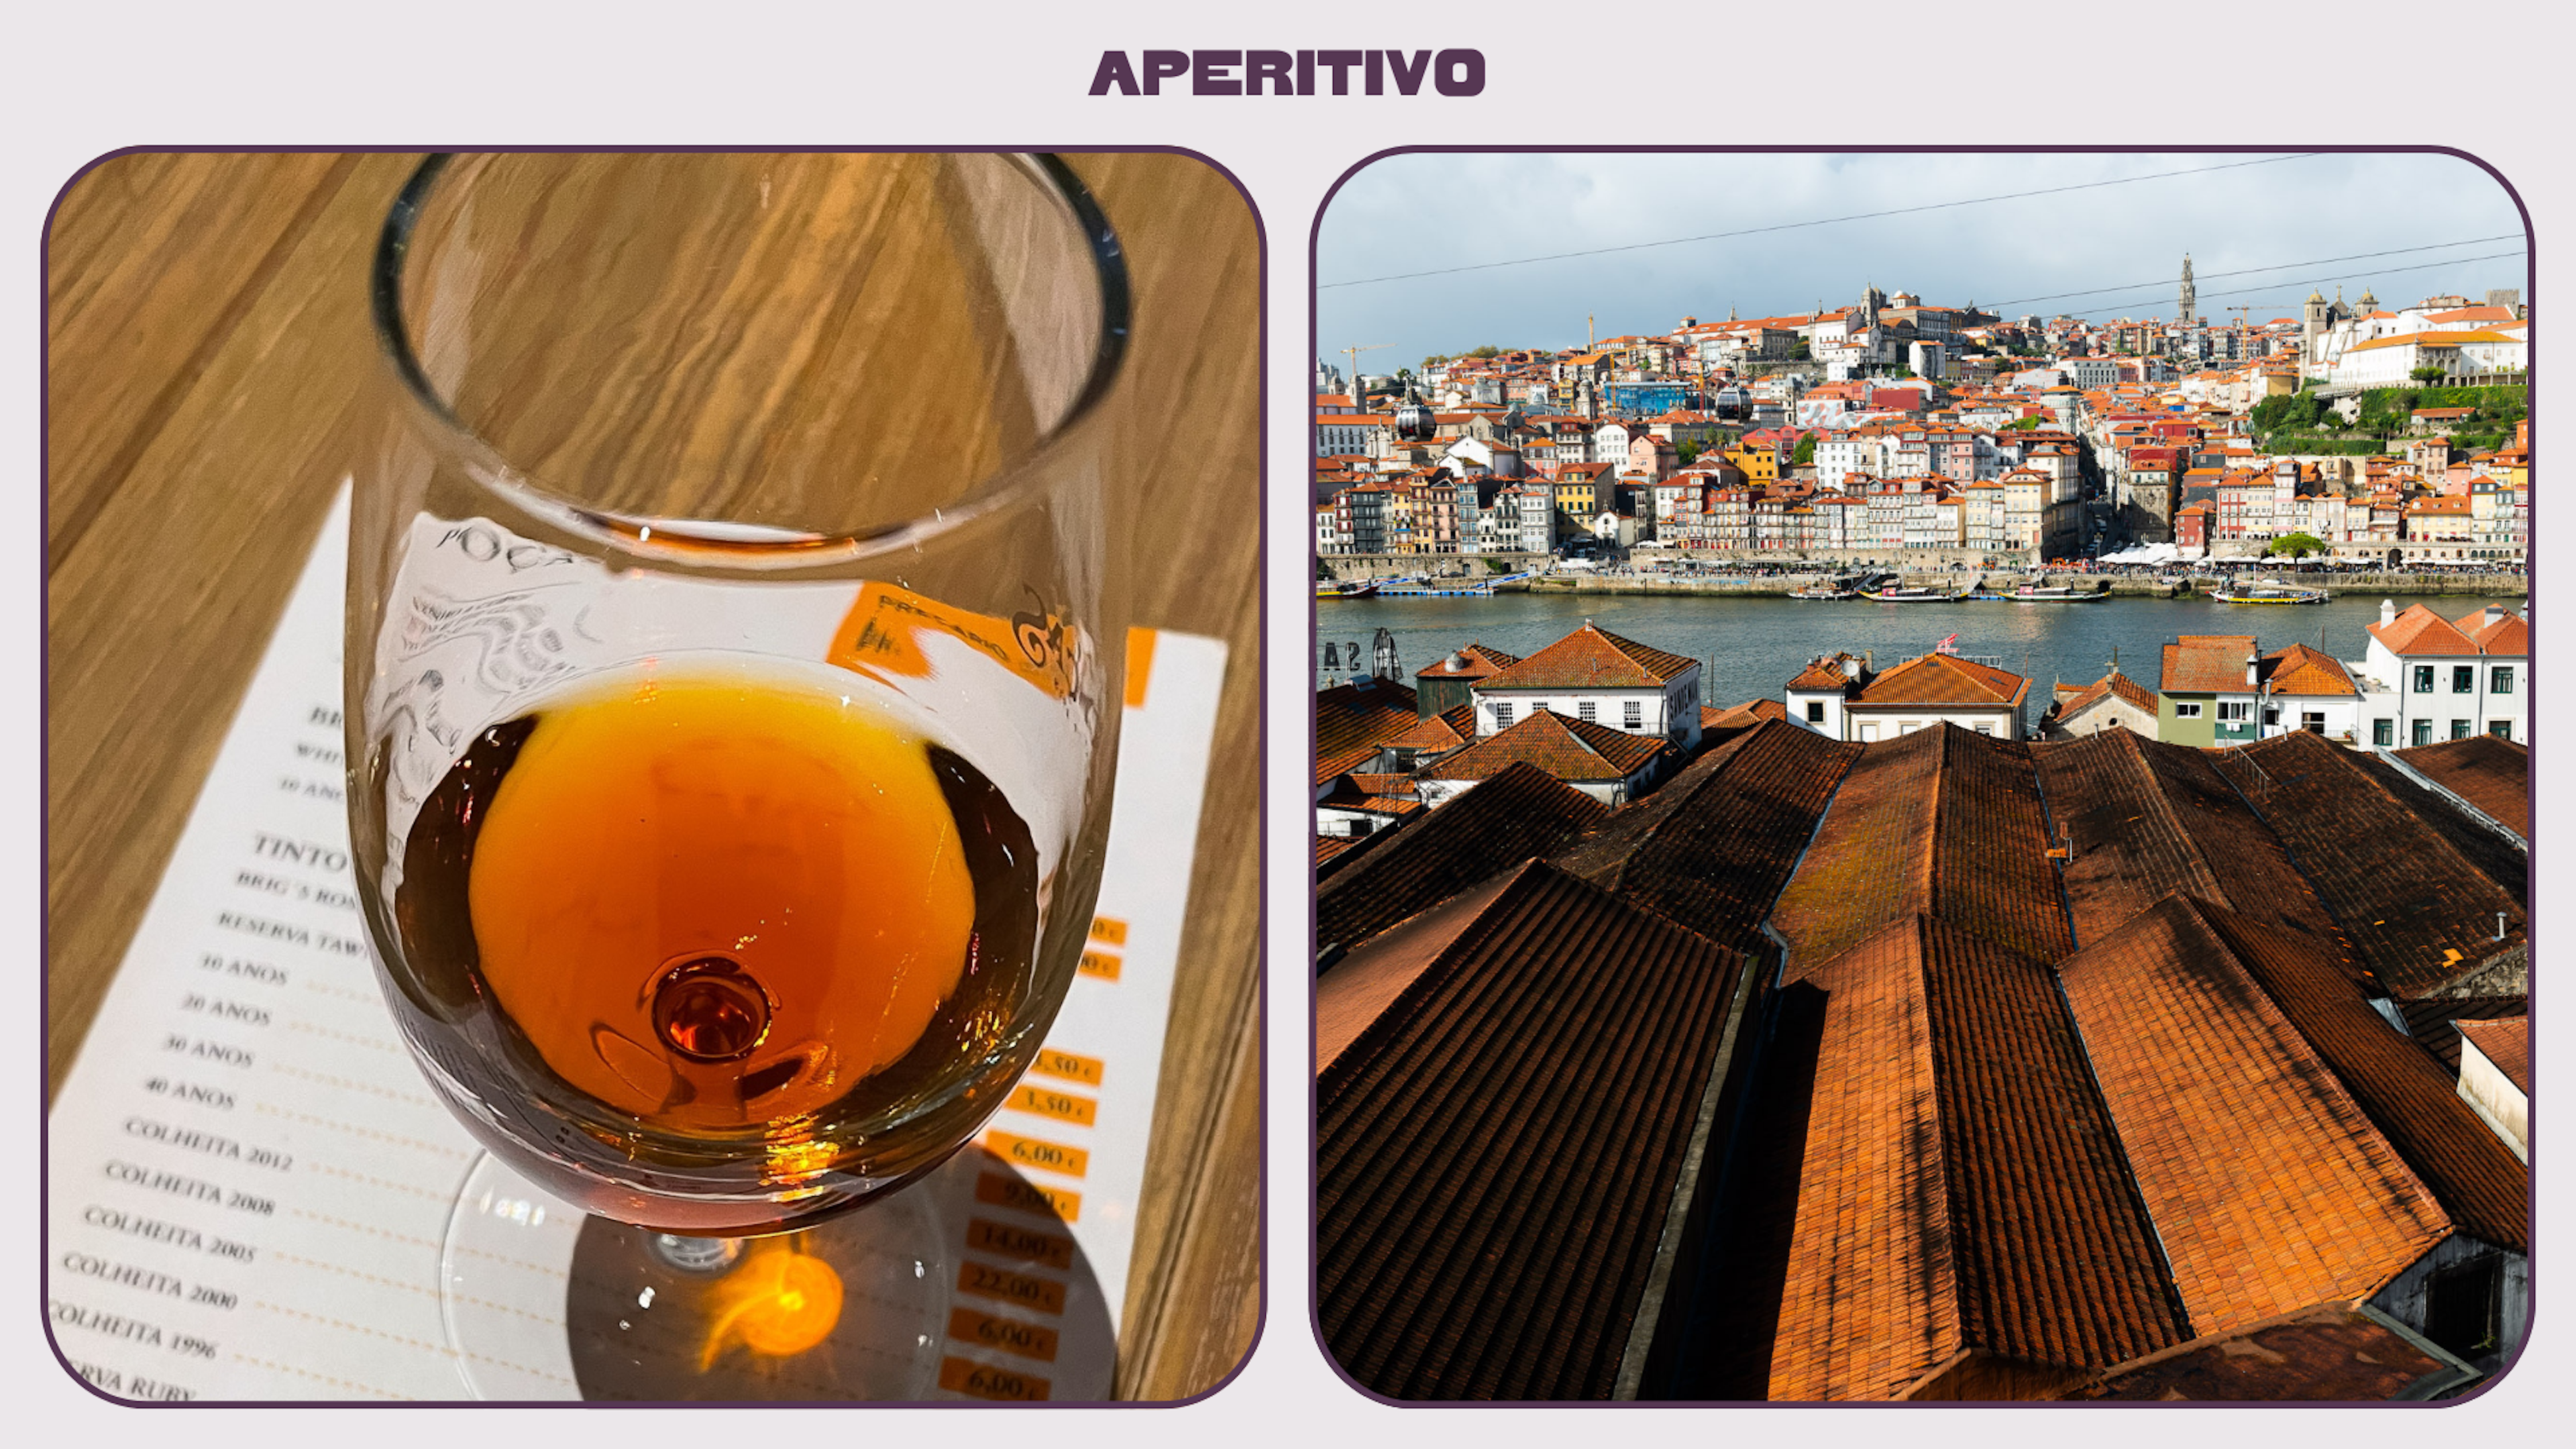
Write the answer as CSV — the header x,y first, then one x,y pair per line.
x,y
249,1185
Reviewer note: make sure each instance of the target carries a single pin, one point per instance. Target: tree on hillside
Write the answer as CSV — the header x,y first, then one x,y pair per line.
x,y
2296,545
1806,451
2426,373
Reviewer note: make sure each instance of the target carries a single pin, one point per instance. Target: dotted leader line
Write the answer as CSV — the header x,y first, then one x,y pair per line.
x,y
406,1341
416,1144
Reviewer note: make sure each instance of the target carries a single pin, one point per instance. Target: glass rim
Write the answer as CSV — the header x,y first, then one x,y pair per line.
x,y
739,547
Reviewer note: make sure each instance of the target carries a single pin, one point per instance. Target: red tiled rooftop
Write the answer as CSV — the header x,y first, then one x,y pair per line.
x,y
1955,1189
1570,749
2208,664
1945,822
2112,684
1439,733
1944,679
2333,1351
2421,631
2497,633
2142,819
1830,673
1711,848
2507,1043
1476,661
1593,658
2270,1188
2432,1022
1498,1150
1354,722
1517,814
2490,773
2301,670
2415,892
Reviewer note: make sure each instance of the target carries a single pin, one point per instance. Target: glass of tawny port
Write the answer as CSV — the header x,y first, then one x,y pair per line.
x,y
734,653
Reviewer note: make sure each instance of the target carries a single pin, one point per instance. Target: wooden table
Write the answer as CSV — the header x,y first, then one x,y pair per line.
x,y
206,342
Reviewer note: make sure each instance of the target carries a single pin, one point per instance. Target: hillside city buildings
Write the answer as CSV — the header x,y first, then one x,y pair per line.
x,y
1898,432
1903,1036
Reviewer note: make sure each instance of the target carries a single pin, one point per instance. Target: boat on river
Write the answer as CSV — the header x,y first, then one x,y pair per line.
x,y
2054,594
2267,591
1833,590
1915,594
1337,589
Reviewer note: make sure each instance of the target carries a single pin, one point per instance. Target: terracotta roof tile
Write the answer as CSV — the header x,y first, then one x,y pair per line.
x,y
1944,679
2332,1351
2490,773
1945,822
2421,631
2269,1187
1568,748
1352,723
1939,1179
1827,673
2503,634
1498,1150
1480,660
2142,819
1328,846
2494,856
1742,717
2414,902
1592,658
1517,814
1439,733
2301,670
2432,1022
2112,684
2408,1099
2208,664
1711,848
2507,1043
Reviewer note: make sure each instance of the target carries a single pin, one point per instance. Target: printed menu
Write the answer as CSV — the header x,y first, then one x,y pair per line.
x,y
250,1187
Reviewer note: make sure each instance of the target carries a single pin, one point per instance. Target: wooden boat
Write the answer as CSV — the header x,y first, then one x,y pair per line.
x,y
1915,595
2054,594
2267,591
1333,589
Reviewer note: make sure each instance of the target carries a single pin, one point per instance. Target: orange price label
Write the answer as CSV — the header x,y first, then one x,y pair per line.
x,y
882,635
1027,1196
1052,1250
1047,1156
1053,1063
964,1376
1010,1335
1046,1102
1099,965
1109,930
1025,1289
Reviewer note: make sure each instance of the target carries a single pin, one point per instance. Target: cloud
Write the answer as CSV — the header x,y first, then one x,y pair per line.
x,y
1427,211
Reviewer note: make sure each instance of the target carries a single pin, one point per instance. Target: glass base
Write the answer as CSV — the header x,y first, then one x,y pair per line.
x,y
543,1302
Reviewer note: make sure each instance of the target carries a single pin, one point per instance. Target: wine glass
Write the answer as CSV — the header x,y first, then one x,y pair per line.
x,y
734,655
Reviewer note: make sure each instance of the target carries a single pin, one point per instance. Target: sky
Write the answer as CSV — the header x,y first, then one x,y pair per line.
x,y
2279,223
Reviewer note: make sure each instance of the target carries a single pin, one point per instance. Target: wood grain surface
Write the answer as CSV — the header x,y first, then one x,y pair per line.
x,y
206,346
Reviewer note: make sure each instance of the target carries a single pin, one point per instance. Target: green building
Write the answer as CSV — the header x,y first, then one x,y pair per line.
x,y
2208,694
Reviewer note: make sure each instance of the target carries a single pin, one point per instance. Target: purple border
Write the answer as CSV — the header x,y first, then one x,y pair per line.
x,y
2531,573
1261,717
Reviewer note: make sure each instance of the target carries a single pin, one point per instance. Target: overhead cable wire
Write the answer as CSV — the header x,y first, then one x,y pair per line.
x,y
1816,221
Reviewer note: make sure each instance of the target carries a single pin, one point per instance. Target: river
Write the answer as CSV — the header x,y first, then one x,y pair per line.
x,y
1752,647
